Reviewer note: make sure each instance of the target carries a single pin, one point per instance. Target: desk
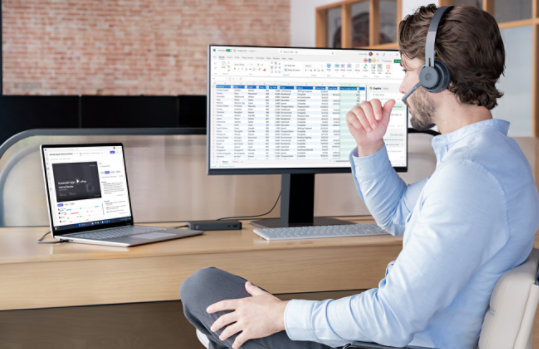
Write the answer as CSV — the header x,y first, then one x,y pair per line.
x,y
40,276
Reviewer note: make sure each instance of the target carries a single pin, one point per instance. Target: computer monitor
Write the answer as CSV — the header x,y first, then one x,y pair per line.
x,y
281,110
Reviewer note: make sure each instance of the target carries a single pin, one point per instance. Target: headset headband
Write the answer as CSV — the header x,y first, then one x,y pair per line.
x,y
431,35
434,76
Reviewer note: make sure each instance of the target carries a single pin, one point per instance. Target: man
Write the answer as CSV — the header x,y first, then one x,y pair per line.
x,y
473,219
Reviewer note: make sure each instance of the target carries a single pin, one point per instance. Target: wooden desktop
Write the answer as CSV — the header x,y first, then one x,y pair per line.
x,y
73,274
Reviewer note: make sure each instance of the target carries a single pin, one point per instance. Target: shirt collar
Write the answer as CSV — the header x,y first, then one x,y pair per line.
x,y
442,143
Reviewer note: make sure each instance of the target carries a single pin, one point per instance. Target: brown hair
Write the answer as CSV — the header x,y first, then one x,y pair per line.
x,y
468,42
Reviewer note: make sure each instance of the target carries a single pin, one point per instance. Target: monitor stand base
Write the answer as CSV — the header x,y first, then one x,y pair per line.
x,y
276,222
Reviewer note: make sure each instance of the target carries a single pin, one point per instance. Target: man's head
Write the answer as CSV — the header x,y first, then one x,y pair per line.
x,y
468,42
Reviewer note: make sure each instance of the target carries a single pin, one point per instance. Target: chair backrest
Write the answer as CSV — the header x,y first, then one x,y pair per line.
x,y
509,319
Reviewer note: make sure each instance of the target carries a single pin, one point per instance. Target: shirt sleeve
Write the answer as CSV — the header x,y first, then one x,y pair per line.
x,y
385,194
459,224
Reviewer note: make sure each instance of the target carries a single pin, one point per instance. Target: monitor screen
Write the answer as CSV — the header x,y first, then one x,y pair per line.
x,y
282,109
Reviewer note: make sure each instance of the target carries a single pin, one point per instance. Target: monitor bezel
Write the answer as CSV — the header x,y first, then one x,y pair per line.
x,y
278,170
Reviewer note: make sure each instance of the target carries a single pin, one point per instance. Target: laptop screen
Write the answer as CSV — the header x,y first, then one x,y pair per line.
x,y
86,186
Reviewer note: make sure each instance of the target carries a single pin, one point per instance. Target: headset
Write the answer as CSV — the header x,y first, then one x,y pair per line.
x,y
434,76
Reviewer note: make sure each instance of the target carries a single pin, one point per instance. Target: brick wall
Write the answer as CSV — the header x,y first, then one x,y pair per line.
x,y
127,47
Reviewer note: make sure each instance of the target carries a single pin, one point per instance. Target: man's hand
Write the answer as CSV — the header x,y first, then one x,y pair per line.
x,y
255,317
367,123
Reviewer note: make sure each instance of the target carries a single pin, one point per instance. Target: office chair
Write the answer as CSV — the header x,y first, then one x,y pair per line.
x,y
508,322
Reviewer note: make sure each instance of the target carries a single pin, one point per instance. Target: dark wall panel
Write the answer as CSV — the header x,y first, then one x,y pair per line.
x,y
192,111
129,111
19,113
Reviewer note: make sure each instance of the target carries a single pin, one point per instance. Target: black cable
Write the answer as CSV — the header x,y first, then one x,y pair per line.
x,y
255,216
181,226
40,240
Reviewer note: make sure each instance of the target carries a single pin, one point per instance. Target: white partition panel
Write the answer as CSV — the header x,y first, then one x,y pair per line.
x,y
516,83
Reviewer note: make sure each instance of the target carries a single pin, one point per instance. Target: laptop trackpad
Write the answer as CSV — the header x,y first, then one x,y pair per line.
x,y
152,235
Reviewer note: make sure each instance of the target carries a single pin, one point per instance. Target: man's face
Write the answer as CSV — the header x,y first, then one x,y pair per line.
x,y
420,103
421,107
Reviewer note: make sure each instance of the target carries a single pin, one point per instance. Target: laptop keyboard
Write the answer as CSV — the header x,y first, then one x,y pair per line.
x,y
116,232
323,231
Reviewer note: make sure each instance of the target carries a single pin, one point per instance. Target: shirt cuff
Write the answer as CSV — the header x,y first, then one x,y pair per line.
x,y
365,167
297,320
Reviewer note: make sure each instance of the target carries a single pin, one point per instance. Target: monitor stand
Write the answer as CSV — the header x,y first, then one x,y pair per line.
x,y
297,204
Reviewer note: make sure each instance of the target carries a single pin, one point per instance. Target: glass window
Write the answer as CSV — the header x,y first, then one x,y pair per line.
x,y
388,21
334,27
360,24
516,82
475,3
507,11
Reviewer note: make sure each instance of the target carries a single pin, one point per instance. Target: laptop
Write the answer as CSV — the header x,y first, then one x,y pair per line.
x,y
88,197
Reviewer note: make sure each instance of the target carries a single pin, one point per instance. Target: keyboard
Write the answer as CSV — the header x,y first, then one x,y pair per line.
x,y
116,232
322,231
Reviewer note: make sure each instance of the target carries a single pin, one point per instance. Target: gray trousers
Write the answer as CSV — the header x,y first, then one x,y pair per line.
x,y
211,285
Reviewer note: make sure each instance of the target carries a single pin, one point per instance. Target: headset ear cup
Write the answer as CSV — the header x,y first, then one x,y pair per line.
x,y
428,77
434,79
444,77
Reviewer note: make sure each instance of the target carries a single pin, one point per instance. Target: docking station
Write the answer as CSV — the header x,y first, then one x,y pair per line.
x,y
214,225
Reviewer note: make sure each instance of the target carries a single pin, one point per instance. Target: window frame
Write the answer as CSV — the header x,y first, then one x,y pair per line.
x,y
487,5
346,23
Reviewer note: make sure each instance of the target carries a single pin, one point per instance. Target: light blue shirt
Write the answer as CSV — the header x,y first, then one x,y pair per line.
x,y
463,227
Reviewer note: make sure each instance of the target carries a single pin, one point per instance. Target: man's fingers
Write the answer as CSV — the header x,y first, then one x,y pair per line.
x,y
352,120
229,331
388,106
369,122
229,304
377,108
253,290
352,117
240,340
223,321
361,116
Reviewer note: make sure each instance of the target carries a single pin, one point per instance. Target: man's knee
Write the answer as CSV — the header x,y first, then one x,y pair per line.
x,y
210,285
191,288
